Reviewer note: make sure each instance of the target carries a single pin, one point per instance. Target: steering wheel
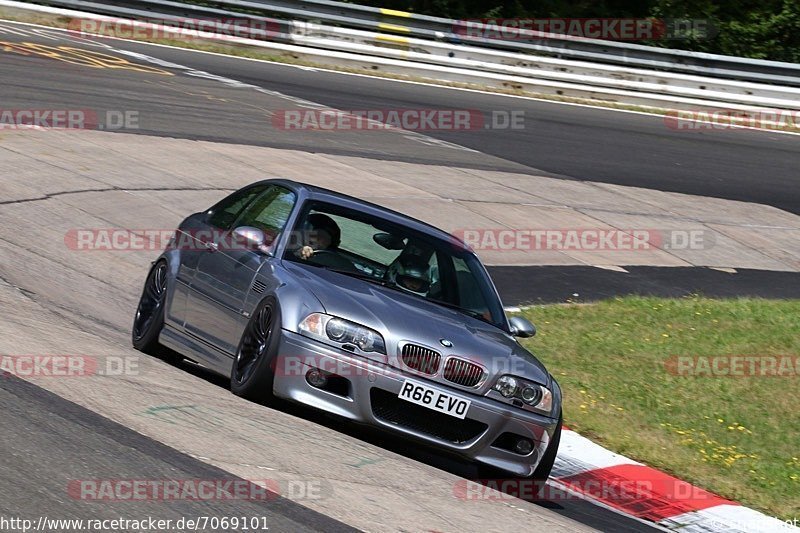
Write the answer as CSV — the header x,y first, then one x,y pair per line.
x,y
331,258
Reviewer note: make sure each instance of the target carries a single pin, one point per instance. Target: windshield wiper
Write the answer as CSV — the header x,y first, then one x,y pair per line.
x,y
356,274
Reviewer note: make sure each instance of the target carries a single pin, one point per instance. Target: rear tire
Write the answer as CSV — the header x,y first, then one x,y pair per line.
x,y
149,318
252,374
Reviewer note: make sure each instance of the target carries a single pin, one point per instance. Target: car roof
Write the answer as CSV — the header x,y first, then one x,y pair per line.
x,y
314,192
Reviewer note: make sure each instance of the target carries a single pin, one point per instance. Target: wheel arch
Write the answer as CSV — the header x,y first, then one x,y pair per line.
x,y
295,301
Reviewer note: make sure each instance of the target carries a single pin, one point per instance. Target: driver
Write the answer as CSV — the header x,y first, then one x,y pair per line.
x,y
321,233
412,274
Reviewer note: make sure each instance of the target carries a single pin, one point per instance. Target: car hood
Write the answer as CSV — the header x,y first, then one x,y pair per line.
x,y
405,317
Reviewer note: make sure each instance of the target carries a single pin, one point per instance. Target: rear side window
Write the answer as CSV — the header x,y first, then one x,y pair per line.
x,y
269,212
225,213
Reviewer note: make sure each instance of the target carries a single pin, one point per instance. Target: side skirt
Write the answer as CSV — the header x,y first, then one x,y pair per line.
x,y
193,348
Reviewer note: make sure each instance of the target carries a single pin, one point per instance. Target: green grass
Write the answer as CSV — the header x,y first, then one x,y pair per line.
x,y
736,436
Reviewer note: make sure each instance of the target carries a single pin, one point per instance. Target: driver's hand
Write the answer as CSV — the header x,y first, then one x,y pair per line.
x,y
305,252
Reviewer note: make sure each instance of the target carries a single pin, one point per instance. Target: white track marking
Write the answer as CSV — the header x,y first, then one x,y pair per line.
x,y
408,134
15,31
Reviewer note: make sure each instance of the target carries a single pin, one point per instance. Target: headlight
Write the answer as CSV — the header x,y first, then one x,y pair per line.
x,y
343,331
336,329
507,386
536,396
531,395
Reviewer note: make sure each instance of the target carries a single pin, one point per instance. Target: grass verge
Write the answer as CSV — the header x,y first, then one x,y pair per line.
x,y
735,436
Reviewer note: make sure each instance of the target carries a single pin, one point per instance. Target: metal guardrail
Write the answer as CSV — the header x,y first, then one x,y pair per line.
x,y
453,31
545,68
455,62
537,42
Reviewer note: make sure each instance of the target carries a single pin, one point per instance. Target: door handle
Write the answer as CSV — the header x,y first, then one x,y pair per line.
x,y
212,246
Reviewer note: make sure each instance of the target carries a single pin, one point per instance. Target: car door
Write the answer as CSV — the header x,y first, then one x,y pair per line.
x,y
192,240
225,272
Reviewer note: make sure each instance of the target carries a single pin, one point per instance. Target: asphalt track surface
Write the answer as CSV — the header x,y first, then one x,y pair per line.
x,y
548,284
34,479
570,142
566,141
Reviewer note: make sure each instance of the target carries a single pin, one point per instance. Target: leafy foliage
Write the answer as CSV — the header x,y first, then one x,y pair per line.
x,y
762,29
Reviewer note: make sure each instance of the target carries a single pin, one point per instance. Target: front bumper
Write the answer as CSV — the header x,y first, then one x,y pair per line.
x,y
369,382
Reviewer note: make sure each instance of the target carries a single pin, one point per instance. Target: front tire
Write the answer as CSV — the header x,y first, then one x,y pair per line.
x,y
542,472
252,375
149,319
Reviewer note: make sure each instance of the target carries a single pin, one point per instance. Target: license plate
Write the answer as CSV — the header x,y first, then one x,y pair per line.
x,y
446,403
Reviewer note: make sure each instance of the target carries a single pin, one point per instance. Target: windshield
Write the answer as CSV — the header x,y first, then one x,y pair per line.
x,y
374,249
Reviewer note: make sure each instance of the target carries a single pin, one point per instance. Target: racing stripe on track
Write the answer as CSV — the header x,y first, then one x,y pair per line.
x,y
643,492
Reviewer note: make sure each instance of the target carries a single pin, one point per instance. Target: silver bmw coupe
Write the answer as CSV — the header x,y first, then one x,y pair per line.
x,y
306,294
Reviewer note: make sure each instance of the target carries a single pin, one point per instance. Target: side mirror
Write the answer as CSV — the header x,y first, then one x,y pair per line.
x,y
521,327
251,238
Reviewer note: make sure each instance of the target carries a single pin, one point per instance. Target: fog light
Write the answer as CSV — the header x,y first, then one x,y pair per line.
x,y
523,447
316,378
